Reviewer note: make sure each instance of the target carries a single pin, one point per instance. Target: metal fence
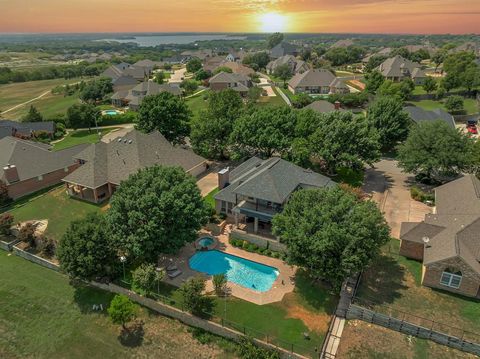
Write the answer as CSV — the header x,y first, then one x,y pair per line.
x,y
410,324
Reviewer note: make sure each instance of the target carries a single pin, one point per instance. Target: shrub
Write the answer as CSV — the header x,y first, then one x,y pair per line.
x,y
220,284
122,310
247,349
191,292
6,221
27,234
48,246
418,195
144,277
454,103
4,197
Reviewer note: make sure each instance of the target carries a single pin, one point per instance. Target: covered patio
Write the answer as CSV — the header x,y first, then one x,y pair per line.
x,y
255,218
95,195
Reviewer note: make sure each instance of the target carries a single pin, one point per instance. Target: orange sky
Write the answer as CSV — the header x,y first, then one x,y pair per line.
x,y
362,16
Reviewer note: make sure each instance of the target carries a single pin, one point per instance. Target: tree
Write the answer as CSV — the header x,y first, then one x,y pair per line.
x,y
86,250
254,94
471,77
194,65
189,86
211,131
301,100
435,149
459,68
283,72
122,310
438,57
33,115
27,234
430,84
191,292
220,284
6,221
96,90
145,277
406,88
257,61
386,114
160,77
156,210
373,81
201,75
341,139
454,103
222,69
374,61
4,197
402,90
274,39
82,115
263,132
330,233
166,113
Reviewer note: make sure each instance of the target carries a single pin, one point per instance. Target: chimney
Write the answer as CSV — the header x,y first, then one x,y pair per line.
x,y
11,173
223,178
337,105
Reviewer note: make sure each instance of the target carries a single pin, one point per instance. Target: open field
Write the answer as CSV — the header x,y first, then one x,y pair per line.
x,y
365,340
26,60
43,316
17,93
54,205
471,105
392,286
82,136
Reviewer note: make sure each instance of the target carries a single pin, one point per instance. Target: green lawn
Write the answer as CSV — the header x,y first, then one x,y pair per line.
x,y
392,285
209,197
81,136
471,106
197,103
54,205
43,316
307,309
272,101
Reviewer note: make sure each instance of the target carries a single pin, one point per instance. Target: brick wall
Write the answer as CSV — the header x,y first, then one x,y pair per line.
x,y
22,188
412,250
470,280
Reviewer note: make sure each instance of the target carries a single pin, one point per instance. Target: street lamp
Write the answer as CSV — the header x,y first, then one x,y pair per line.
x,y
123,259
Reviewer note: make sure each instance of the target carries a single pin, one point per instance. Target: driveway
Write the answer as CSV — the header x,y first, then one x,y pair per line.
x,y
389,187
208,183
177,76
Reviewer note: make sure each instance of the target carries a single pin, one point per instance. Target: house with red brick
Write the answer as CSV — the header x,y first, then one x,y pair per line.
x,y
27,167
448,241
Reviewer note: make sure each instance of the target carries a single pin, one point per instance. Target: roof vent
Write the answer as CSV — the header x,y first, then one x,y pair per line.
x,y
125,141
120,139
129,141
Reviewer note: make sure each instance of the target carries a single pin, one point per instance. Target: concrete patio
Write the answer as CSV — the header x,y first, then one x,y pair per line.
x,y
283,284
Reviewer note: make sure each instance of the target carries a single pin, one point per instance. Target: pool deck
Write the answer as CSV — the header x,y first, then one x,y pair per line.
x,y
275,294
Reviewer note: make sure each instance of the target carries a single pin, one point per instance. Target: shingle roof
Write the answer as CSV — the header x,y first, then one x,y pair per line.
x,y
271,180
26,128
312,77
321,106
418,114
114,161
395,67
33,159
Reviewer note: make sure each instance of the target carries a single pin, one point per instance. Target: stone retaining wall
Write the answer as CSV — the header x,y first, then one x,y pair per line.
x,y
35,259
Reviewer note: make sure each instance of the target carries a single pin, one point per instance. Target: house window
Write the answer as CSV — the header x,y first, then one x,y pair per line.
x,y
40,178
451,279
224,207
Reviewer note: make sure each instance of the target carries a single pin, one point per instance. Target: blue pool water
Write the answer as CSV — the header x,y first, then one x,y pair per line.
x,y
205,241
111,112
238,270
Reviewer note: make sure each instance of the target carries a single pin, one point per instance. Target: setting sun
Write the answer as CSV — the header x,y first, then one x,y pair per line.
x,y
273,22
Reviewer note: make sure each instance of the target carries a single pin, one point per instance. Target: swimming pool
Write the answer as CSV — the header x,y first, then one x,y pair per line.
x,y
248,274
111,112
205,241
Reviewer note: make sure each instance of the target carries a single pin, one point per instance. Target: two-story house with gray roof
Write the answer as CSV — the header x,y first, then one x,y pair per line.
x,y
448,241
317,81
252,193
398,68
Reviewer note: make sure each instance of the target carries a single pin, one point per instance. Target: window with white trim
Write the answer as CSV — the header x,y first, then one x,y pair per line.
x,y
451,279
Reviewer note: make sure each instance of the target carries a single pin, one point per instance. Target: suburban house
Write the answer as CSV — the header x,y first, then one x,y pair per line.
x,y
211,63
317,81
342,43
235,56
123,83
147,65
282,49
296,66
418,114
124,69
134,97
225,80
252,193
448,241
105,165
199,54
322,106
382,52
238,68
28,166
26,130
397,68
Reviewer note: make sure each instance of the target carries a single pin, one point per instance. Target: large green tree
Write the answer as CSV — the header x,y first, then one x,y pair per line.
x,y
122,310
263,132
283,72
86,249
194,65
436,150
386,114
274,39
82,115
156,210
331,233
429,85
33,115
211,130
373,81
166,113
96,90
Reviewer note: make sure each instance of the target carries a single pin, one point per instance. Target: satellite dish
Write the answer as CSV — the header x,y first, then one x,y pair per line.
x,y
425,239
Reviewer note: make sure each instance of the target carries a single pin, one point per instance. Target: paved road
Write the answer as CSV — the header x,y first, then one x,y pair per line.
x,y
390,188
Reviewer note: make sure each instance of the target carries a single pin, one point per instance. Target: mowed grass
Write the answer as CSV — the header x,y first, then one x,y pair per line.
x,y
197,104
392,285
470,105
54,205
78,137
43,316
17,93
272,101
209,197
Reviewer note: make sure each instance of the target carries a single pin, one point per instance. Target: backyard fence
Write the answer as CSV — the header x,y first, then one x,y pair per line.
x,y
416,326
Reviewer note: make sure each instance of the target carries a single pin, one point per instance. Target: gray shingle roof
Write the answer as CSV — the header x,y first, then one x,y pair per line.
x,y
418,114
271,180
114,161
397,67
321,106
313,77
33,159
26,128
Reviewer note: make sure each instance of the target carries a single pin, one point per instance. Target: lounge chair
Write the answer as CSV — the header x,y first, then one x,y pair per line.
x,y
171,267
174,274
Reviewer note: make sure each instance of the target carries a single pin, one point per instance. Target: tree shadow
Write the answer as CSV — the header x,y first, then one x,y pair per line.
x,y
205,308
315,293
133,335
89,299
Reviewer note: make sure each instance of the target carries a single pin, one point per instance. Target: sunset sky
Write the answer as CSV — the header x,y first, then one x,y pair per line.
x,y
361,16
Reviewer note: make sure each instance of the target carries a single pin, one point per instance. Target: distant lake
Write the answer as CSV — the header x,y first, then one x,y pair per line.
x,y
155,40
